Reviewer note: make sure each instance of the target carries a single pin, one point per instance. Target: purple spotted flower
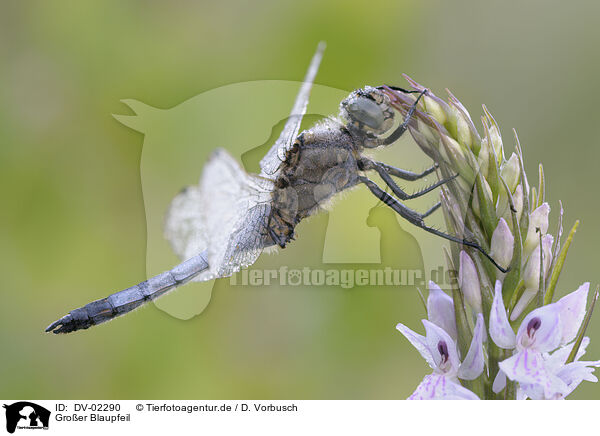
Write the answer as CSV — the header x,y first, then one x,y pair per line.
x,y
439,350
541,375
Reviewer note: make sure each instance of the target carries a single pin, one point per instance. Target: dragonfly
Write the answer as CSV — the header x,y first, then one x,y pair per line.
x,y
224,223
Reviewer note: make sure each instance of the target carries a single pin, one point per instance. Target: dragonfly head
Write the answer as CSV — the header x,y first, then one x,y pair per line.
x,y
368,109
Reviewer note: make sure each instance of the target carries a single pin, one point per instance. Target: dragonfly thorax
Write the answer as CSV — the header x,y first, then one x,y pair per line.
x,y
321,163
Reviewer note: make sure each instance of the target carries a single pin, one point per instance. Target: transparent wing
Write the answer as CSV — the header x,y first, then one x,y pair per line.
x,y
276,155
226,214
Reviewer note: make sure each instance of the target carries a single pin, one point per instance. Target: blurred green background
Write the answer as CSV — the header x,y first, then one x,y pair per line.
x,y
73,221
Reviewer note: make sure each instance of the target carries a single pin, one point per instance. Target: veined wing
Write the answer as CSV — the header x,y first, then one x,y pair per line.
x,y
218,227
226,214
276,155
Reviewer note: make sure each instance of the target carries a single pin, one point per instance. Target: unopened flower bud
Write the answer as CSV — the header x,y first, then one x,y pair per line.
x,y
476,207
464,184
503,209
538,219
502,245
422,140
427,133
484,157
496,142
531,274
449,147
435,110
510,172
518,202
502,203
469,281
463,132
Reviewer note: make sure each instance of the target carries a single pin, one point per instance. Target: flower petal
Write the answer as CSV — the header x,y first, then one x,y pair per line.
x,y
440,309
527,367
469,281
439,387
443,349
500,330
582,348
472,365
419,342
572,312
523,302
521,395
541,329
576,372
532,390
559,357
499,382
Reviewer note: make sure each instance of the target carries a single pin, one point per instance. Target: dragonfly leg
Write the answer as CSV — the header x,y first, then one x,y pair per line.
x,y
397,88
431,210
396,134
366,164
417,219
404,174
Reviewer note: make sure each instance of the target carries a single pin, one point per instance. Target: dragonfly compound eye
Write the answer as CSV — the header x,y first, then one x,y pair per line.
x,y
366,112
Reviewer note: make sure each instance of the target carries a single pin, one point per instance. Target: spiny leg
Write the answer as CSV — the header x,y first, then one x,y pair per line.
x,y
431,210
404,174
416,219
366,164
396,134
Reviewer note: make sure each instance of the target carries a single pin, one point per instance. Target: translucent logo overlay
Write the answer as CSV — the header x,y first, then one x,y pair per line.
x,y
356,243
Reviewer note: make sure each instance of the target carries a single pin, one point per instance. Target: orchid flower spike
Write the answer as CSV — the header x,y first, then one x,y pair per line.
x,y
489,201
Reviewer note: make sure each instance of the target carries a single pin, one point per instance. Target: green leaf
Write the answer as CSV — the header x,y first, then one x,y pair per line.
x,y
542,187
516,295
493,176
559,265
453,224
542,281
526,202
559,232
462,325
486,208
487,276
493,122
513,277
582,330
